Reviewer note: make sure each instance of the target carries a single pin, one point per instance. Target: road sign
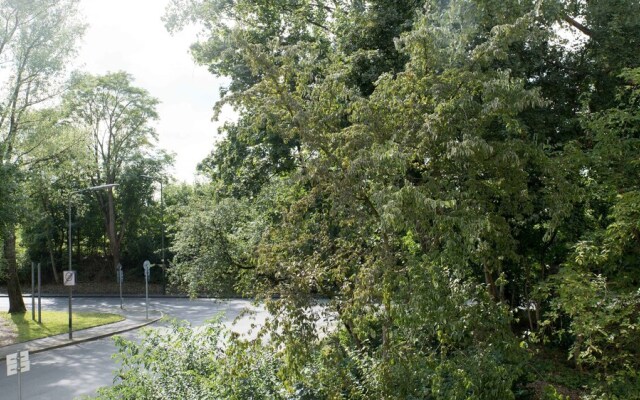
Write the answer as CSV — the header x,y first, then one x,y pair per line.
x,y
146,265
119,273
18,362
25,364
69,278
12,364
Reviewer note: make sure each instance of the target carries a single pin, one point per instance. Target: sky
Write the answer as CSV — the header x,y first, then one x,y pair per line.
x,y
128,35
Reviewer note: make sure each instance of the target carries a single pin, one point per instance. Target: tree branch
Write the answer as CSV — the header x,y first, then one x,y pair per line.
x,y
577,25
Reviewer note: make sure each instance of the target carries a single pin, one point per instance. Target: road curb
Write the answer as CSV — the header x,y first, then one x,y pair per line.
x,y
88,339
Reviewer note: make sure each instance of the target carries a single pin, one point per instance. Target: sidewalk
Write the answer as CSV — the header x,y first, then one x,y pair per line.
x,y
134,319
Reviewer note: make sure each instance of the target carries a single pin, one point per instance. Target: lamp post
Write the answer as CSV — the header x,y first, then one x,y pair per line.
x,y
100,187
160,180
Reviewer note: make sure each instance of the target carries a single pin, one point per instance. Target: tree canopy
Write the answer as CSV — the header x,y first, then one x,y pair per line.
x,y
36,41
456,177
116,117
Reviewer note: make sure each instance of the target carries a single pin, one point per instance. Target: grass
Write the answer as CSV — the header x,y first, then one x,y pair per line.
x,y
54,323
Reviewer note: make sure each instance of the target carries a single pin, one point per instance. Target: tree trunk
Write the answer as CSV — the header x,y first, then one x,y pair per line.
x,y
491,284
53,260
16,303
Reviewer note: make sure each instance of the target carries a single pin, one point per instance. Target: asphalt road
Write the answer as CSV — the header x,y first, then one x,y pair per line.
x,y
79,370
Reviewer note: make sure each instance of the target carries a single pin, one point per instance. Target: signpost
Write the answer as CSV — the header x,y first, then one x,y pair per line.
x,y
69,279
17,363
147,266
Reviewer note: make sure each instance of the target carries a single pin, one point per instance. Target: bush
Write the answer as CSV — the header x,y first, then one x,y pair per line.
x,y
184,362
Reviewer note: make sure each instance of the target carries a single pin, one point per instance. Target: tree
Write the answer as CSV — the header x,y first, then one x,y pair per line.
x,y
59,168
36,40
478,169
116,116
368,205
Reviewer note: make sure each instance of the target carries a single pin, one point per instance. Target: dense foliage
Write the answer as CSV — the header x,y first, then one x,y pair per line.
x,y
435,199
458,178
194,363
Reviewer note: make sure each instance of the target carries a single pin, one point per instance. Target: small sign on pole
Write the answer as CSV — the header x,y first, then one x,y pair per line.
x,y
17,363
69,278
25,363
12,364
146,265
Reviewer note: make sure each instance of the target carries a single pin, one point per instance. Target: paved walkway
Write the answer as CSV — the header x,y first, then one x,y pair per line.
x,y
134,319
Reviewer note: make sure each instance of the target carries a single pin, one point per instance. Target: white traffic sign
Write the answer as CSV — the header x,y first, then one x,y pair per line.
x,y
18,362
119,273
12,364
69,278
25,364
146,265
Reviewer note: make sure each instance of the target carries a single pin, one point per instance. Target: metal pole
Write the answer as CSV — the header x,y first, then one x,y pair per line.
x,y
161,181
19,378
164,282
39,294
120,280
70,287
146,291
33,289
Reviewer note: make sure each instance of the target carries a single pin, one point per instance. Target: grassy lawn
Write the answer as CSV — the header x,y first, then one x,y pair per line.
x,y
53,323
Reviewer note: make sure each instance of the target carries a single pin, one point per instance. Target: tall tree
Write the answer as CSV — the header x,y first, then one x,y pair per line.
x,y
477,167
36,40
59,168
116,116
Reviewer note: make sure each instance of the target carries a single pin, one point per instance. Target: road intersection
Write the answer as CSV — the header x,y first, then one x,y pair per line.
x,y
66,370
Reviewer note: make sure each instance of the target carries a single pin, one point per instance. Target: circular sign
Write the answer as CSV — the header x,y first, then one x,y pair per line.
x,y
146,265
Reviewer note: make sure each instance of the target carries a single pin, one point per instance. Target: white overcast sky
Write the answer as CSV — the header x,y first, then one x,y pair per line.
x,y
128,35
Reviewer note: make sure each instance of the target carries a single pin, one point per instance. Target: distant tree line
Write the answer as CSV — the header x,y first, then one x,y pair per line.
x,y
61,134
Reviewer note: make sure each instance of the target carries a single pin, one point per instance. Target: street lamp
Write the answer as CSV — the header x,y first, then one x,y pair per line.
x,y
160,180
100,187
